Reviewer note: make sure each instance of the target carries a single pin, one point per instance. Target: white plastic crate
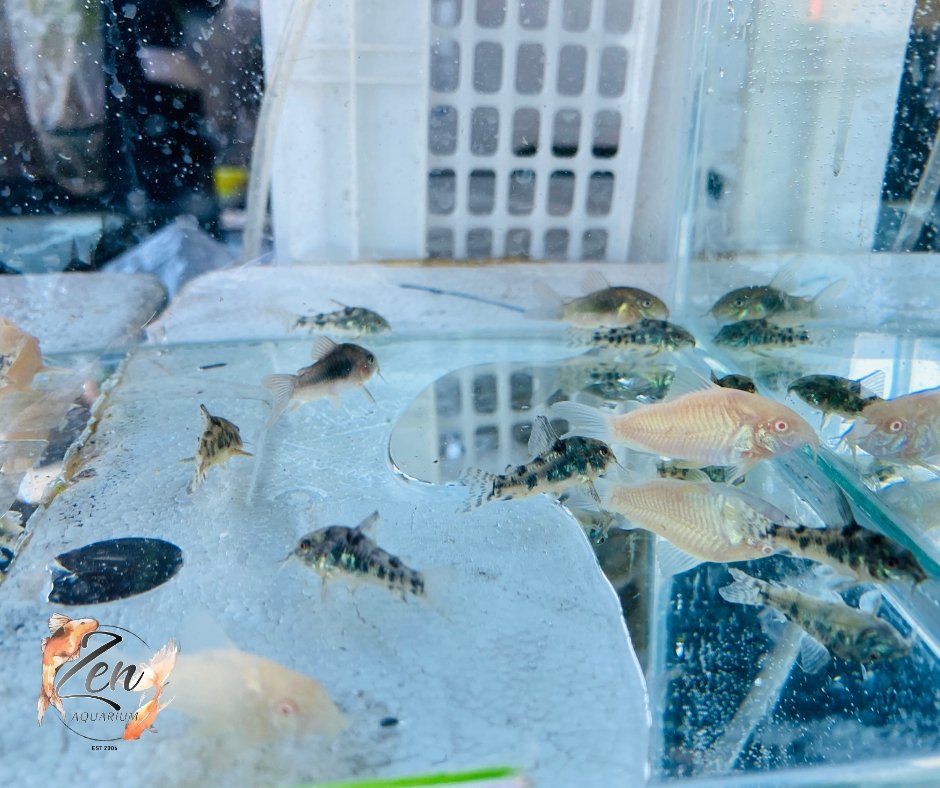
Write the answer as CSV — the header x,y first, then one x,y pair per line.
x,y
462,128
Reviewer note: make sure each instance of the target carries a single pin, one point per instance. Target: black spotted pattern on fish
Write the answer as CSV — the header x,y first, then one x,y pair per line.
x,y
761,333
568,460
831,393
871,556
647,333
352,551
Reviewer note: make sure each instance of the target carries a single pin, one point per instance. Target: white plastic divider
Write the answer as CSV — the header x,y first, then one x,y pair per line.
x,y
348,174
354,161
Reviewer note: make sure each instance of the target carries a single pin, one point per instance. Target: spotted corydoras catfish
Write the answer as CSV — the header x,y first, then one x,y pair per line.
x,y
761,334
219,442
739,382
335,368
868,556
355,320
559,463
648,336
832,394
855,635
349,553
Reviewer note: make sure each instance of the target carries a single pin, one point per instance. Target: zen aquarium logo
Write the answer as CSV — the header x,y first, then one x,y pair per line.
x,y
104,680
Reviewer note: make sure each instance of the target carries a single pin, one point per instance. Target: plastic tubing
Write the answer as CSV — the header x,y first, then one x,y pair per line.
x,y
269,116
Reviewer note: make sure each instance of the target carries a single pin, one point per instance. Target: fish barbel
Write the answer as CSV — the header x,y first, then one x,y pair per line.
x,y
559,463
356,320
602,306
700,423
338,550
852,634
335,367
904,428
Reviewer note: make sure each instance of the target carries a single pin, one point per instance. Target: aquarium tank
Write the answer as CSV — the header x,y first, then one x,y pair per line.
x,y
487,392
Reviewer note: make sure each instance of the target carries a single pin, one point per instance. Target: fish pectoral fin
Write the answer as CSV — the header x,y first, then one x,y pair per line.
x,y
75,656
738,470
673,561
814,656
188,459
42,644
242,453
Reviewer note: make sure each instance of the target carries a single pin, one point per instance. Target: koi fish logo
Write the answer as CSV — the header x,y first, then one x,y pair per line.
x,y
68,637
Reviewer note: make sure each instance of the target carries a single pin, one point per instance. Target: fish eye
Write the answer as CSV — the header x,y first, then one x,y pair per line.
x,y
287,707
646,303
305,544
781,425
739,302
896,426
891,563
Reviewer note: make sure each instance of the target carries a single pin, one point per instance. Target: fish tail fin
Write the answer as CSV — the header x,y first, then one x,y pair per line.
x,y
824,302
481,487
282,388
551,306
43,705
158,669
583,420
745,590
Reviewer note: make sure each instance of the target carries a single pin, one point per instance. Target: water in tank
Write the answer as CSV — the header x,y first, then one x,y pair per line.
x,y
501,392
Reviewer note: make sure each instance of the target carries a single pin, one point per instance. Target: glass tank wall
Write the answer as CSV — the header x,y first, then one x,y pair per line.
x,y
508,392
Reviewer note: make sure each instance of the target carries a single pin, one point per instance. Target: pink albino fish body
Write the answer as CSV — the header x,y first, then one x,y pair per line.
x,y
700,423
903,428
230,690
713,522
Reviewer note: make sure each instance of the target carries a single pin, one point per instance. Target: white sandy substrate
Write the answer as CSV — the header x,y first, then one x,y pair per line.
x,y
518,657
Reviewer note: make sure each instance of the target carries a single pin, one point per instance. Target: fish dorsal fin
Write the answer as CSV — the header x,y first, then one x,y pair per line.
x,y
870,601
688,381
322,346
368,524
786,280
873,384
542,437
57,621
340,304
205,413
594,281
813,655
672,560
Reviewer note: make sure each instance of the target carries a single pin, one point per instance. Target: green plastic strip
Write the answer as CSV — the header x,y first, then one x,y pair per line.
x,y
441,778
